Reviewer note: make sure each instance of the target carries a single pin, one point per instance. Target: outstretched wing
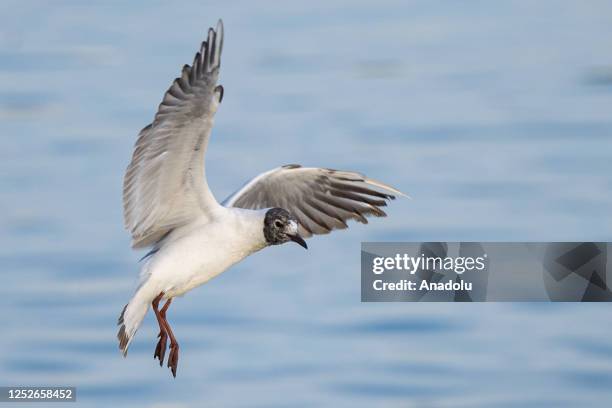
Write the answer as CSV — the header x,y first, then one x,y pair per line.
x,y
165,185
320,199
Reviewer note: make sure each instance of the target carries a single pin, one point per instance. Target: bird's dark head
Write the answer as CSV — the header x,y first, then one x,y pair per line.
x,y
281,227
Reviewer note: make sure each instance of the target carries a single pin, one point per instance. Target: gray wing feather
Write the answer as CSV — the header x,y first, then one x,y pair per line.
x,y
320,199
165,185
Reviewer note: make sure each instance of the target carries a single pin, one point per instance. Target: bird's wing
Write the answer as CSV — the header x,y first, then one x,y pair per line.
x,y
320,199
165,185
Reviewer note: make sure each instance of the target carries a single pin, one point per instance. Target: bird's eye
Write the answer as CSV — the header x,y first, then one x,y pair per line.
x,y
278,224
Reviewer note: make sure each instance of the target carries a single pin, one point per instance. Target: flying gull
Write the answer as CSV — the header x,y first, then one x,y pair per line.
x,y
169,208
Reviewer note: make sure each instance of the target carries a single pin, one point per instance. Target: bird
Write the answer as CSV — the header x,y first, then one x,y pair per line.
x,y
169,208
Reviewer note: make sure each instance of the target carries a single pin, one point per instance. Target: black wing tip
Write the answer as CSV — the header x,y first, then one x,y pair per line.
x,y
215,45
291,166
219,89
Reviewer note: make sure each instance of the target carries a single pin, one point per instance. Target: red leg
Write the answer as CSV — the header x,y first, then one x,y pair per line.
x,y
160,350
174,346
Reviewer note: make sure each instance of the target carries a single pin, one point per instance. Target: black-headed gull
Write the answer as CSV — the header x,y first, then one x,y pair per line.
x,y
169,207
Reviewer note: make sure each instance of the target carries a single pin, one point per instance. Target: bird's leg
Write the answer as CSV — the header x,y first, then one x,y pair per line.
x,y
162,337
160,350
174,346
162,312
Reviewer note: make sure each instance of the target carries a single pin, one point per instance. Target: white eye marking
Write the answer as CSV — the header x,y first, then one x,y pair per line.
x,y
292,228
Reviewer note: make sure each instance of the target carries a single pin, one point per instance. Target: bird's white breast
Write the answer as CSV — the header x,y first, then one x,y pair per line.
x,y
198,252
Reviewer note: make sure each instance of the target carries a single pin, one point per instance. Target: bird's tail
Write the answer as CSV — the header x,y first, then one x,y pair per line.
x,y
131,317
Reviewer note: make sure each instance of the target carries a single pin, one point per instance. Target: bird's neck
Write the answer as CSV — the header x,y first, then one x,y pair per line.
x,y
249,225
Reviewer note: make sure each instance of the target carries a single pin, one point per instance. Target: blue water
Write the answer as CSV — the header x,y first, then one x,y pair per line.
x,y
496,117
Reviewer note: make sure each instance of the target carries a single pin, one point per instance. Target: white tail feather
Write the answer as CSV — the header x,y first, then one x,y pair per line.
x,y
132,315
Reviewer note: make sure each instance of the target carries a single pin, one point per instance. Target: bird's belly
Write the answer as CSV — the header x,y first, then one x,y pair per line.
x,y
190,263
192,278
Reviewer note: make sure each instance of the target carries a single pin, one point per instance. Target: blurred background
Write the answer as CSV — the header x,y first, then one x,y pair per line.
x,y
496,117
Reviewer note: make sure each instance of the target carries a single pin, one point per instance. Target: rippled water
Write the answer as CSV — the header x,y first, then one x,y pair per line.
x,y
495,116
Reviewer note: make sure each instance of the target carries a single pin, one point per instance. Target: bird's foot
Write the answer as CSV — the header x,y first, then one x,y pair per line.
x,y
173,358
160,350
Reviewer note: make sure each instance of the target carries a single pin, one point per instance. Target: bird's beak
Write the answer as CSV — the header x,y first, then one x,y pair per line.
x,y
298,240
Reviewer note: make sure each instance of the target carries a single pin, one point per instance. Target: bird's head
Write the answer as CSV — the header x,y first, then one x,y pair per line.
x,y
281,227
